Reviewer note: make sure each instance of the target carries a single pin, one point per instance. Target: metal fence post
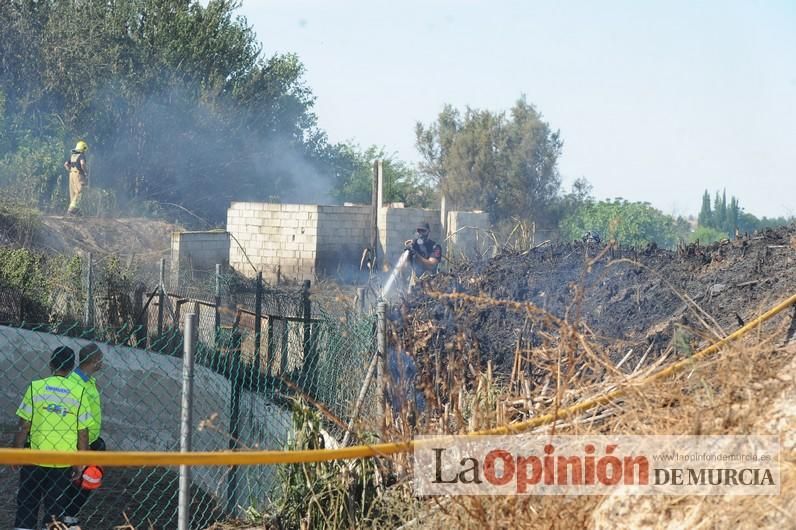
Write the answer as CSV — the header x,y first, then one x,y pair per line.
x,y
217,322
161,294
140,325
186,420
270,348
235,388
381,349
258,324
306,307
88,317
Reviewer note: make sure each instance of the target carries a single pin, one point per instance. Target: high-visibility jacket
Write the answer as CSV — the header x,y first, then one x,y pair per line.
x,y
56,409
91,397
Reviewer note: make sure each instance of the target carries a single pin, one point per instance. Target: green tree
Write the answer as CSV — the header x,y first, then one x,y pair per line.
x,y
629,223
705,213
504,164
174,97
727,217
733,213
402,183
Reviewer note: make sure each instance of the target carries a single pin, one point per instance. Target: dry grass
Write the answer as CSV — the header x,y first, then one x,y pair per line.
x,y
745,389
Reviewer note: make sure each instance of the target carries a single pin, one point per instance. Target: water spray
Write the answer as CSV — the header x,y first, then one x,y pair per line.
x,y
394,274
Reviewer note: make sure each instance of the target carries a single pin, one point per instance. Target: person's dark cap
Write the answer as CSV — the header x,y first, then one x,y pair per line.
x,y
62,359
88,353
424,226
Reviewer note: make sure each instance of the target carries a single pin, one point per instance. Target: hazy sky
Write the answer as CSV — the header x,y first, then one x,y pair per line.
x,y
655,101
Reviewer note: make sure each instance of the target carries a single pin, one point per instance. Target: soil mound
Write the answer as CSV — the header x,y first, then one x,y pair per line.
x,y
130,237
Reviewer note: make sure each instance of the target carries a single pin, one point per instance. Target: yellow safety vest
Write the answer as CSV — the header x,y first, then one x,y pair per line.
x,y
56,409
92,397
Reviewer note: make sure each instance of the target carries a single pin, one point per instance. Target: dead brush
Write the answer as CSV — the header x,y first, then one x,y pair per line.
x,y
694,401
566,365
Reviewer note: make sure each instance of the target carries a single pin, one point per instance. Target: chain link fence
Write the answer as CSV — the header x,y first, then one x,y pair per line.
x,y
259,348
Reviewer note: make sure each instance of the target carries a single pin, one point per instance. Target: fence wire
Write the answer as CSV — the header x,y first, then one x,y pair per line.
x,y
246,376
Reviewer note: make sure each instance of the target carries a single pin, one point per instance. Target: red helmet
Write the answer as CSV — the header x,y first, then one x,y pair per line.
x,y
91,478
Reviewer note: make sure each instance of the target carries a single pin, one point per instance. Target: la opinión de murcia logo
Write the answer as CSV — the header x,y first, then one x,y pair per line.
x,y
527,470
640,466
714,477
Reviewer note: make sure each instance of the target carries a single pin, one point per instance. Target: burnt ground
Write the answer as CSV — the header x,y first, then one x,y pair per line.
x,y
621,298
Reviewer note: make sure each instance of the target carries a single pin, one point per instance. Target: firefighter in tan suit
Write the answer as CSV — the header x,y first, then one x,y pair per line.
x,y
78,176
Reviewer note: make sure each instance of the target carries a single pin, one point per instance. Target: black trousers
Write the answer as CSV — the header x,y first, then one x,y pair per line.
x,y
35,483
77,495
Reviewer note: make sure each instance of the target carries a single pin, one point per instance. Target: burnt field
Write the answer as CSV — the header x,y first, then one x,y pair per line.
x,y
511,310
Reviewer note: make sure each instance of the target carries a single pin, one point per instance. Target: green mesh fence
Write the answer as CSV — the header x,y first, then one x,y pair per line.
x,y
250,364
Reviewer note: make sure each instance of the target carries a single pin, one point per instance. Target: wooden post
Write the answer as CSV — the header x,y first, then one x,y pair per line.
x,y
375,207
361,300
380,183
363,390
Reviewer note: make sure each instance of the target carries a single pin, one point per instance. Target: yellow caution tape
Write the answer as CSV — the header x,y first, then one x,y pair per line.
x,y
242,458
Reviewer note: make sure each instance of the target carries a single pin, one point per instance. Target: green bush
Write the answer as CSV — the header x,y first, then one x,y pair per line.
x,y
50,286
33,174
336,494
706,234
629,223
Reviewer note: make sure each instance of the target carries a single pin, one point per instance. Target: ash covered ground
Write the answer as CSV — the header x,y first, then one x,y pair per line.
x,y
622,298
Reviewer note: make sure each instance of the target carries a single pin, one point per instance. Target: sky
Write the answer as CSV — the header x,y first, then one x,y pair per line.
x,y
655,101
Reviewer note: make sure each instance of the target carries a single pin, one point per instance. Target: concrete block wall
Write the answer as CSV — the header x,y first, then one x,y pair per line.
x,y
278,238
469,237
302,241
396,225
195,254
343,233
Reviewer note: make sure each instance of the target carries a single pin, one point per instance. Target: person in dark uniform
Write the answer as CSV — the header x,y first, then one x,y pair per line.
x,y
425,253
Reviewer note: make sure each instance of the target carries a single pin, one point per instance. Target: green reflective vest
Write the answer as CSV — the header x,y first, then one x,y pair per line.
x,y
56,409
92,398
